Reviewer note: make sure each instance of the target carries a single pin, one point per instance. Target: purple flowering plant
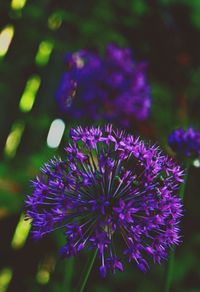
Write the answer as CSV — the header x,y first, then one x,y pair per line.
x,y
113,87
111,187
186,146
185,143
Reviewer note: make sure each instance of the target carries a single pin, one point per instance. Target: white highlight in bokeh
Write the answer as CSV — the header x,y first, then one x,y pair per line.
x,y
55,134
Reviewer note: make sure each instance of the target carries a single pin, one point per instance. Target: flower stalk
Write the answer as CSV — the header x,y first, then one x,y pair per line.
x,y
171,261
87,271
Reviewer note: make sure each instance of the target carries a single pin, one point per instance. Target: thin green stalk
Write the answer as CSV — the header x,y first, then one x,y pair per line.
x,y
87,272
169,270
170,263
68,273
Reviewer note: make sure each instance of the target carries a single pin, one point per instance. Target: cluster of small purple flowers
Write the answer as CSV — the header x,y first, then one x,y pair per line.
x,y
110,188
112,88
185,143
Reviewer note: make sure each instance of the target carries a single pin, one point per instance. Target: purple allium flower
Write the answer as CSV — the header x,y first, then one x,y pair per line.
x,y
110,189
112,87
185,143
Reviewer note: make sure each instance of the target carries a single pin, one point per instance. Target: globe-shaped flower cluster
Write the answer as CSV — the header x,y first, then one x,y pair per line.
x,y
113,87
111,193
185,143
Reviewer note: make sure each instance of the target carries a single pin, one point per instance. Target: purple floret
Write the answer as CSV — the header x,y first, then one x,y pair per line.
x,y
112,87
110,188
185,142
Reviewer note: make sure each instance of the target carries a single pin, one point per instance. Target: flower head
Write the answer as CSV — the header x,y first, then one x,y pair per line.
x,y
112,87
110,188
185,143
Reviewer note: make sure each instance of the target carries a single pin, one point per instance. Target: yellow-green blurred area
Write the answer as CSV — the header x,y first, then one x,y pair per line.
x,y
34,39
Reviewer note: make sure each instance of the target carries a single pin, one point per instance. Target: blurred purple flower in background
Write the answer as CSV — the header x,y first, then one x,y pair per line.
x,y
185,142
112,87
110,188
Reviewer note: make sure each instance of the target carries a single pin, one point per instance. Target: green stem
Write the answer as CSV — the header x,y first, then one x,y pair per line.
x,y
87,271
170,263
68,273
169,270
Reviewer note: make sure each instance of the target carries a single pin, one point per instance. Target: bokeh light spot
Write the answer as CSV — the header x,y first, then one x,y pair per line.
x,y
21,233
44,52
18,4
55,21
6,36
14,139
5,278
196,163
43,277
55,134
28,97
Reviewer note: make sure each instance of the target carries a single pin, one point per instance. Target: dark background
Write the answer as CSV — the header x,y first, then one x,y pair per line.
x,y
166,34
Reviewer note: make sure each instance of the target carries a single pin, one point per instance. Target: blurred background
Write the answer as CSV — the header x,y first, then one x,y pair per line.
x,y
34,39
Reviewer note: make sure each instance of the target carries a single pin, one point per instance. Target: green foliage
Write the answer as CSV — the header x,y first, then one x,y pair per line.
x,y
159,32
